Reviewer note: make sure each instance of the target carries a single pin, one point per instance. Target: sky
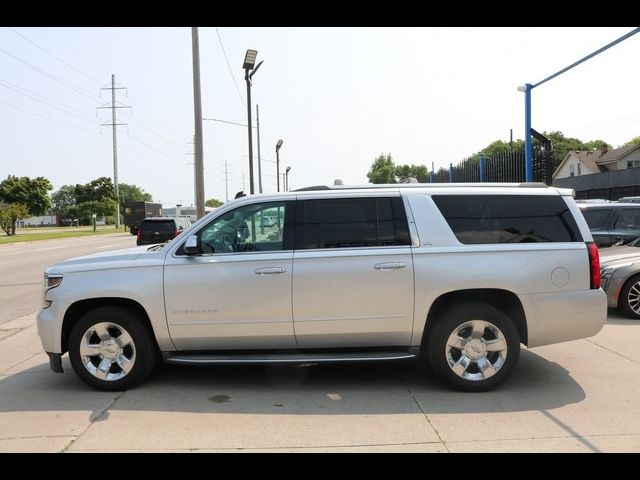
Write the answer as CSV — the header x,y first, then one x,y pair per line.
x,y
337,97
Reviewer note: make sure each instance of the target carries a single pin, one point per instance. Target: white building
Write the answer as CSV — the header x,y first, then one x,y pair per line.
x,y
189,212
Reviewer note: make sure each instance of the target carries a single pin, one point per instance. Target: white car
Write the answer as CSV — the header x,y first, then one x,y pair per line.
x,y
459,275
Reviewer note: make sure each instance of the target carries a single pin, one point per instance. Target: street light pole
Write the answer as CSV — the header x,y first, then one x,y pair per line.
x,y
278,145
249,65
286,179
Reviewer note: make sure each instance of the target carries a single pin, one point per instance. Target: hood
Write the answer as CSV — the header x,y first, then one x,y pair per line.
x,y
125,258
619,254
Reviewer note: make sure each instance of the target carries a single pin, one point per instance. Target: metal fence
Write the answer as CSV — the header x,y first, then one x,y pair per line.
x,y
500,167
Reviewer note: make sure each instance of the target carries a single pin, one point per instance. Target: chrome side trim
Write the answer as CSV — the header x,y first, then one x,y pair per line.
x,y
287,358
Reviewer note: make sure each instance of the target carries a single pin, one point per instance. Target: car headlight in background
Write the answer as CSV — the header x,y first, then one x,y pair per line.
x,y
50,281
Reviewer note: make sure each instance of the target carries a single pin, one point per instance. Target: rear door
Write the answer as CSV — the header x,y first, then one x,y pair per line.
x,y
598,220
353,273
626,225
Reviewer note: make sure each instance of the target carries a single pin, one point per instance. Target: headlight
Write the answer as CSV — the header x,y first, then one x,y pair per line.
x,y
50,281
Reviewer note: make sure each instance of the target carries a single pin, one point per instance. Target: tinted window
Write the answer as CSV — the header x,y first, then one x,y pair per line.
x,y
508,218
159,225
596,218
351,222
628,220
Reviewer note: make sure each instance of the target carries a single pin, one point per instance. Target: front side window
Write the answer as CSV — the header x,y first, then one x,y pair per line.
x,y
246,229
351,223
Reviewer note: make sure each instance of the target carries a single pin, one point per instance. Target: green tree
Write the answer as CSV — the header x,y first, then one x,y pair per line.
x,y
633,141
213,203
10,213
419,172
100,197
133,193
32,193
97,189
63,200
382,170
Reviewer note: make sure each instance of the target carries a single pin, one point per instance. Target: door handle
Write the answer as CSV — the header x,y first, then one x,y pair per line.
x,y
388,266
270,271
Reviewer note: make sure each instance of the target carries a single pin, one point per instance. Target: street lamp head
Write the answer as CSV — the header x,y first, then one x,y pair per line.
x,y
287,170
250,59
278,145
522,88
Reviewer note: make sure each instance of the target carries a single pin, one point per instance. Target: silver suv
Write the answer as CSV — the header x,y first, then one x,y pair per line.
x,y
458,275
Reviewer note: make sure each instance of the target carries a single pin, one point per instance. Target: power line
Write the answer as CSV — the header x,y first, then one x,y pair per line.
x,y
152,132
51,76
54,56
49,118
34,96
139,107
230,71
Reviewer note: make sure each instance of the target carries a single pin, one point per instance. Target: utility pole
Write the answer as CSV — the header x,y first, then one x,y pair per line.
x,y
114,124
258,132
244,188
197,112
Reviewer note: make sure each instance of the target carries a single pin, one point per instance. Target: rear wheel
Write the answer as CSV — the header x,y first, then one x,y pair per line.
x,y
474,347
629,300
110,349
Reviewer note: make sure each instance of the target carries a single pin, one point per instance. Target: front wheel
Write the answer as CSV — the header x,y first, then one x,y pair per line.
x,y
629,300
474,347
110,349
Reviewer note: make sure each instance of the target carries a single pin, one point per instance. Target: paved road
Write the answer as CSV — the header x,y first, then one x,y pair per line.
x,y
22,265
580,396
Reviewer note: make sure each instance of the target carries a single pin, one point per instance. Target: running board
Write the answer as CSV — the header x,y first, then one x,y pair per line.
x,y
249,359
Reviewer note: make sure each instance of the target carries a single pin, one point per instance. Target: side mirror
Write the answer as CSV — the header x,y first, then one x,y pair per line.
x,y
191,246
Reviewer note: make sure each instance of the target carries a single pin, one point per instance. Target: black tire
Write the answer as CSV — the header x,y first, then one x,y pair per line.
x,y
145,356
440,355
624,302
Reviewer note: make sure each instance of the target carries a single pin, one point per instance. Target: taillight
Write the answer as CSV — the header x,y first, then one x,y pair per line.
x,y
138,235
176,234
594,265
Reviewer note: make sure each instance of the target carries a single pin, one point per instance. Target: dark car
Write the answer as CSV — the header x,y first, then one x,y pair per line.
x,y
612,222
160,229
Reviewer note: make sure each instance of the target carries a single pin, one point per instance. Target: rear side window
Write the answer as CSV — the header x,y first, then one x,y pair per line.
x,y
628,219
477,219
351,222
596,218
159,225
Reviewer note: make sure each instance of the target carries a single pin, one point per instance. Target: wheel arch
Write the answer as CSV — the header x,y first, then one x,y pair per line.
x,y
504,300
79,308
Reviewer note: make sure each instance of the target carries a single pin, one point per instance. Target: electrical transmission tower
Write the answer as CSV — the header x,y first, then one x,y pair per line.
x,y
114,124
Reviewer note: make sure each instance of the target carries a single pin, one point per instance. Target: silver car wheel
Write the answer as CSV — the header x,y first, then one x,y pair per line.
x,y
633,298
107,351
476,350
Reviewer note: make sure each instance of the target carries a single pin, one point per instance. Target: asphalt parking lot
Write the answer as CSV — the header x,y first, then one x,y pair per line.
x,y
580,396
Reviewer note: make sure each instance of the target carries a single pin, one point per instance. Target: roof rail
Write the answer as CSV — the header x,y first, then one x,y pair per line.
x,y
314,187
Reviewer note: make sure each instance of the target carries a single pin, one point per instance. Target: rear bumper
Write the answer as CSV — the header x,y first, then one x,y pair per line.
x,y
560,317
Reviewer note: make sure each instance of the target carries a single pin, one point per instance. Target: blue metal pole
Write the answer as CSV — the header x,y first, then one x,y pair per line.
x,y
482,167
528,154
450,172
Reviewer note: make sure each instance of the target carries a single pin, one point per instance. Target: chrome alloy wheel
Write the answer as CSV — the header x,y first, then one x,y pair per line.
x,y
476,350
633,298
107,351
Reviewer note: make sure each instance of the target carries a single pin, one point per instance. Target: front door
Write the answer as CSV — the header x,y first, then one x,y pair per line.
x,y
236,293
353,273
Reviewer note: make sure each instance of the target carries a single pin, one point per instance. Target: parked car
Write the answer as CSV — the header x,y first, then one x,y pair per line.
x,y
612,223
629,200
160,229
620,272
458,275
